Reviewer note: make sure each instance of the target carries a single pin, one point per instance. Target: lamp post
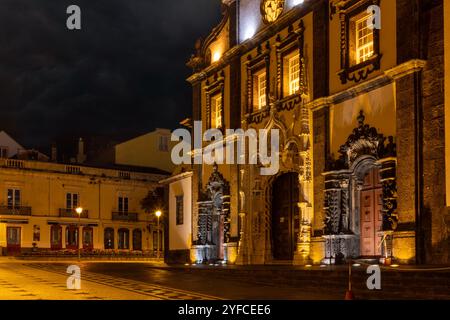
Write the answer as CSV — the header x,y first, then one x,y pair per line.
x,y
79,211
158,215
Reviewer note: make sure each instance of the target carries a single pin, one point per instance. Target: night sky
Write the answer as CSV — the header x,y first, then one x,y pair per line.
x,y
122,75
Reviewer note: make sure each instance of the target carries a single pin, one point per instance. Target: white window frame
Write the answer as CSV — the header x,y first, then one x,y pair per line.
x,y
14,203
72,206
294,74
366,50
127,207
216,111
262,88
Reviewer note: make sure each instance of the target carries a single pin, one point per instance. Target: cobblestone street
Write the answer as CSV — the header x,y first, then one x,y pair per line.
x,y
143,281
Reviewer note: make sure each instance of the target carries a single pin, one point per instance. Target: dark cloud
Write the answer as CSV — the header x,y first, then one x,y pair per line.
x,y
121,75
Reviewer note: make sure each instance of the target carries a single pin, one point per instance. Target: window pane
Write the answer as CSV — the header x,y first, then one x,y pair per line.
x,y
68,201
75,200
262,82
216,112
10,197
364,40
294,74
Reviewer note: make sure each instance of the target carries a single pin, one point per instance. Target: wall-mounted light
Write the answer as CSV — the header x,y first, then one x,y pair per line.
x,y
297,2
248,33
216,56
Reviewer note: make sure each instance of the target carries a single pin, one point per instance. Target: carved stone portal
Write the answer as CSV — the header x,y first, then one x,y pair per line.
x,y
213,219
364,150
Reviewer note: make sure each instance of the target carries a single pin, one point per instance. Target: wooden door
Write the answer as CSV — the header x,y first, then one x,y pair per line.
x,y
88,238
72,237
285,222
371,215
56,237
13,243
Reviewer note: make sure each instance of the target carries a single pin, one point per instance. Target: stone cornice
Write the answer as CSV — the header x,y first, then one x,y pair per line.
x,y
388,77
405,69
262,36
176,178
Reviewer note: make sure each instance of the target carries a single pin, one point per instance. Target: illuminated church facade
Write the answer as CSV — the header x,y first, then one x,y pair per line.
x,y
358,92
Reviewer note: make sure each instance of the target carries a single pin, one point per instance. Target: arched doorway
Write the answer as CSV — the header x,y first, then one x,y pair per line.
x,y
109,238
285,216
56,237
371,219
88,238
361,197
124,239
72,237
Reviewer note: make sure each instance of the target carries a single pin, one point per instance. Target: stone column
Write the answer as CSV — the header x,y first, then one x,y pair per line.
x,y
63,237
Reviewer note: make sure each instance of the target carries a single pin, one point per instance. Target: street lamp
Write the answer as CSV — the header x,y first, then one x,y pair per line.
x,y
79,211
158,214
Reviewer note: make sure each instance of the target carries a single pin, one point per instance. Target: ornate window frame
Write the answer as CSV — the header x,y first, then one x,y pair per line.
x,y
294,41
217,87
261,61
361,71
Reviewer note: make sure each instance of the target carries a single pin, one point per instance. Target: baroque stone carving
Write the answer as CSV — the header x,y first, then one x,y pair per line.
x,y
214,207
333,212
365,149
364,140
271,10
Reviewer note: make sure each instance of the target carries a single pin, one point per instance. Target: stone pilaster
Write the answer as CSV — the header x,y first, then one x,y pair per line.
x,y
320,150
436,243
408,188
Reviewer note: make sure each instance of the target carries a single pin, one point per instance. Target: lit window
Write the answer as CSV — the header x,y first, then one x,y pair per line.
x,y
216,112
364,40
294,74
262,86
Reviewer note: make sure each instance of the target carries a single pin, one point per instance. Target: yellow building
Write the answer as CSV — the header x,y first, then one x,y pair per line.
x,y
357,90
151,150
39,202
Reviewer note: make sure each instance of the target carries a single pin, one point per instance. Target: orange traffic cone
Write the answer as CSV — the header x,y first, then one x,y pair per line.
x,y
349,294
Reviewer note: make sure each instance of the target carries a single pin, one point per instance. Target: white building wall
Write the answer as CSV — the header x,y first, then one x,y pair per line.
x,y
180,235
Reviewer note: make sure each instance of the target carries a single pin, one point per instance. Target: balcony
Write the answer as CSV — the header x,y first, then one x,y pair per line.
x,y
17,164
15,211
71,213
125,216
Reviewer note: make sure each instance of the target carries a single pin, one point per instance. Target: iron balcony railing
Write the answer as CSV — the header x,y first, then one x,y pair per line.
x,y
125,216
15,211
71,213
